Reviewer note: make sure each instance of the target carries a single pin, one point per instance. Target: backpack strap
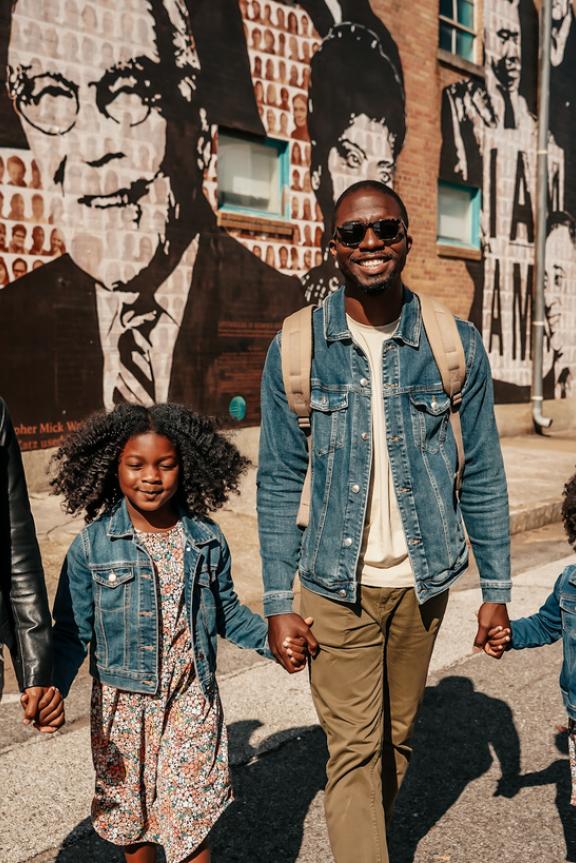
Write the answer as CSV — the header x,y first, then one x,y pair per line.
x,y
446,346
296,368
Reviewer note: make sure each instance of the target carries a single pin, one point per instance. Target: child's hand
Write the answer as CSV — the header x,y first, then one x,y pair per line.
x,y
296,648
44,707
499,638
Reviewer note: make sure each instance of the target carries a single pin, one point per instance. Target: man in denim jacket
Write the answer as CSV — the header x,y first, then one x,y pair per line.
x,y
386,534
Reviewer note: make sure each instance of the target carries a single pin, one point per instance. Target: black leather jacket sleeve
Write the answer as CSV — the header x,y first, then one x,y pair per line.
x,y
25,622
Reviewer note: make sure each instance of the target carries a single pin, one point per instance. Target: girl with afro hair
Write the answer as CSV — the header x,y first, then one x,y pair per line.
x,y
556,619
147,585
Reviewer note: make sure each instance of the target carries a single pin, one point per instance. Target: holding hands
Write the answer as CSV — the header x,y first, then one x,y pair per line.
x,y
291,640
493,626
43,707
499,640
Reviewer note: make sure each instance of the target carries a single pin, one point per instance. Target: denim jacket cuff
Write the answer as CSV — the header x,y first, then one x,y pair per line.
x,y
496,593
278,602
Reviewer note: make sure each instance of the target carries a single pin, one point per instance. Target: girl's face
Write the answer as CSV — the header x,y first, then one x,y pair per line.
x,y
148,475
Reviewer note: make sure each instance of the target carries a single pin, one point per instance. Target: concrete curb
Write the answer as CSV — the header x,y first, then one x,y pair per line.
x,y
531,517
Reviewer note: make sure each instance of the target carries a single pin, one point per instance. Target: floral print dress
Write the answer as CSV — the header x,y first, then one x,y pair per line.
x,y
161,761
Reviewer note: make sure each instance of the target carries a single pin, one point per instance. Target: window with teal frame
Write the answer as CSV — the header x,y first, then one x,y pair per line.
x,y
253,175
458,222
457,32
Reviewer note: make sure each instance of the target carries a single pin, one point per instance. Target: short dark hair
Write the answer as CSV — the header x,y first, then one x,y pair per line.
x,y
559,219
569,510
376,186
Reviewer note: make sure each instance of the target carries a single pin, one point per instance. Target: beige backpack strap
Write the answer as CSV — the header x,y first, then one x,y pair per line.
x,y
446,345
296,368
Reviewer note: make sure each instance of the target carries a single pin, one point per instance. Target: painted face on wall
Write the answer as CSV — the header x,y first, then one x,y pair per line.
x,y
117,106
559,280
502,43
364,151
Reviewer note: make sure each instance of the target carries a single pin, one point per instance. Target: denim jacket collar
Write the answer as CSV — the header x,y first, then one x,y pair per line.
x,y
120,525
336,328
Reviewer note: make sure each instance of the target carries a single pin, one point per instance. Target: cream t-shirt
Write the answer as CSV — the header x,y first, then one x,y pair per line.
x,y
384,560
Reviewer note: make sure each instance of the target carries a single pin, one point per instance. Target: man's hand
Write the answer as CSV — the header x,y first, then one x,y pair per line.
x,y
490,615
43,706
289,626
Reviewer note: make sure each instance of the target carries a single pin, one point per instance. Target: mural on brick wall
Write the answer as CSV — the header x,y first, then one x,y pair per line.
x,y
140,295
489,141
116,278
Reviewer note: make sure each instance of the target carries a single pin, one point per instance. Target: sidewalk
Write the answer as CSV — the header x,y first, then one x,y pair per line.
x,y
267,713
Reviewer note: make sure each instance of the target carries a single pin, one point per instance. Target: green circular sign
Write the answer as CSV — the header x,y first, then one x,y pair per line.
x,y
237,408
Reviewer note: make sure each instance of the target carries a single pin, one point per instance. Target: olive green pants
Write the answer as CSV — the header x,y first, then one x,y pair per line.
x,y
367,683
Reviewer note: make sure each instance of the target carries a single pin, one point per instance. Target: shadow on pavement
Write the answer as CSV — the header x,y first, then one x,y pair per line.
x,y
456,728
265,824
274,793
558,774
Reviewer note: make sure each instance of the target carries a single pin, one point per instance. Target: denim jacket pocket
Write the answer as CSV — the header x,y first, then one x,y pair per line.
x,y
430,415
328,408
568,610
113,598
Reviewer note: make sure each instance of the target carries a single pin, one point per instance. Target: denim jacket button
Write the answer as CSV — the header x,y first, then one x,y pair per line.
x,y
355,488
112,577
348,541
364,382
342,592
364,435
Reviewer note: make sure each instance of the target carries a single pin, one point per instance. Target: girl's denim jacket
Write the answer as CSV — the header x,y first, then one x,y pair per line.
x,y
107,596
556,618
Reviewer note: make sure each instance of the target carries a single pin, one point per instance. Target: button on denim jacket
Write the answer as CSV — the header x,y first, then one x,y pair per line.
x,y
422,455
556,619
108,596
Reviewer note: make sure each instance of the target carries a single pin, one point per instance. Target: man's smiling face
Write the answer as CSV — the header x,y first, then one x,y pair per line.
x,y
373,265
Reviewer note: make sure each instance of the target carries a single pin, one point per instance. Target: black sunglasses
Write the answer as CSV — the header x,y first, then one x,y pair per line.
x,y
387,230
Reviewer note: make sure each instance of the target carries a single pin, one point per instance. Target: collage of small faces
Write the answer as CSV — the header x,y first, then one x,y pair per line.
x,y
281,42
28,235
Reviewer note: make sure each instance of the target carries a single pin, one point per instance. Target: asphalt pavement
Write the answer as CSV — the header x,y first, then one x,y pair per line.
x,y
481,720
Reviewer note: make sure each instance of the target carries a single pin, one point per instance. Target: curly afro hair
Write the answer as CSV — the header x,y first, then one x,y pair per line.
x,y
85,466
569,509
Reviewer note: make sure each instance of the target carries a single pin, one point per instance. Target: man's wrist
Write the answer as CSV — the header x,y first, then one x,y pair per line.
x,y
278,602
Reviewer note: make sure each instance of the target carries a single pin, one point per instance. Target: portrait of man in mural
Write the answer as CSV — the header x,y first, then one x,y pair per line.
x,y
355,136
560,307
188,316
489,141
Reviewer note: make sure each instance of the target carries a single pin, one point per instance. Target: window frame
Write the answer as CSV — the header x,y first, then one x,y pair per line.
x,y
475,197
456,26
282,148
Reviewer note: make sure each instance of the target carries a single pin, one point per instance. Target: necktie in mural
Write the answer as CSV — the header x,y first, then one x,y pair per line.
x,y
509,118
136,376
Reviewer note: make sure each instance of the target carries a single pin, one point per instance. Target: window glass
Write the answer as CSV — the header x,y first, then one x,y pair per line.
x,y
251,174
456,28
466,13
458,215
465,45
445,37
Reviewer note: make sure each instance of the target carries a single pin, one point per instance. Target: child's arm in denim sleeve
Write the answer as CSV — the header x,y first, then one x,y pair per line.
x,y
543,627
73,616
235,621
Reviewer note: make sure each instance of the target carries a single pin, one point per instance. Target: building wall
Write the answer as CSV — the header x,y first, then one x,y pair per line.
x,y
123,280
